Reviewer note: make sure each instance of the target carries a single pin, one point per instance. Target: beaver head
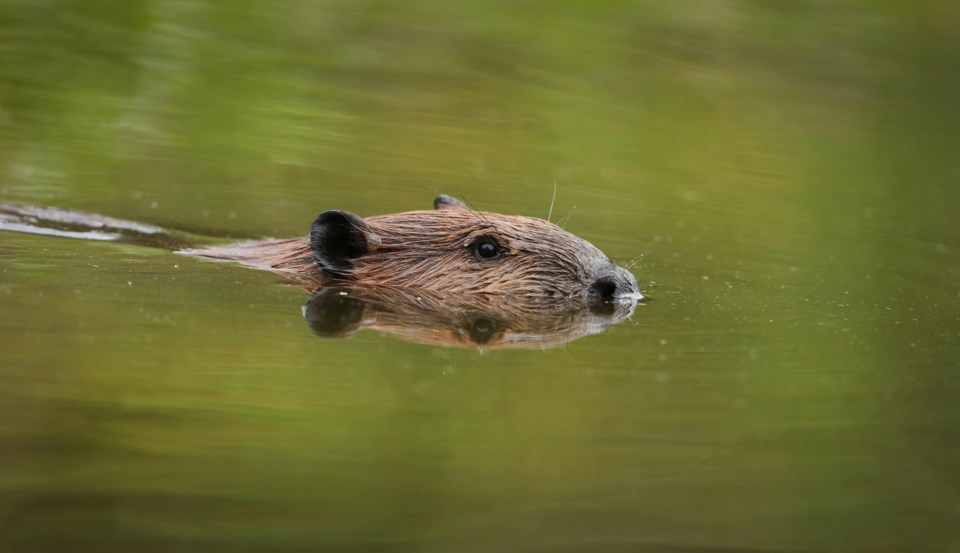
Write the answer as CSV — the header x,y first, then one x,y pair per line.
x,y
454,249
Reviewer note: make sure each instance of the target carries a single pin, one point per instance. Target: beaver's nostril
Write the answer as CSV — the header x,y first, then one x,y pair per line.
x,y
603,289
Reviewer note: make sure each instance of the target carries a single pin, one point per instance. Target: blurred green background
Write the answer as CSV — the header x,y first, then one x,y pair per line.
x,y
786,172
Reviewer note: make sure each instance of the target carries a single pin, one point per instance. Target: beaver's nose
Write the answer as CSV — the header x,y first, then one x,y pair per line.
x,y
614,283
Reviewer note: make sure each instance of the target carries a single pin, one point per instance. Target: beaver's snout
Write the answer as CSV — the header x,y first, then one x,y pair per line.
x,y
613,283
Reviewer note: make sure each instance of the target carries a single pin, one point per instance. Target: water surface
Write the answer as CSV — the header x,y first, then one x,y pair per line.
x,y
785,177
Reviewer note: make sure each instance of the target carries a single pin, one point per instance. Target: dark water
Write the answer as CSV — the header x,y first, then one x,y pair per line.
x,y
786,173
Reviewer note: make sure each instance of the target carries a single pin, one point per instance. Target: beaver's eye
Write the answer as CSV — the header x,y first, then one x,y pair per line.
x,y
486,249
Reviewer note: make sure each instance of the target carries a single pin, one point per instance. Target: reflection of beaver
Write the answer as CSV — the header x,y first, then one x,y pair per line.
x,y
452,249
460,320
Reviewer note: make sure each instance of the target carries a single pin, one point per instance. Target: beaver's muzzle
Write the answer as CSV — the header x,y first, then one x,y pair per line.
x,y
613,283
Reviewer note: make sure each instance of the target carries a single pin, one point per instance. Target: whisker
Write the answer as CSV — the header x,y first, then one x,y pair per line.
x,y
563,222
476,212
633,262
554,199
427,185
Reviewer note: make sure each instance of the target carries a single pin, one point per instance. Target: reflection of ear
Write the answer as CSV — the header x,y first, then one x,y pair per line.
x,y
447,202
336,237
331,315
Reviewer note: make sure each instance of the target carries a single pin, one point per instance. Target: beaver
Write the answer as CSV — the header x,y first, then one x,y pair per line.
x,y
437,277
452,249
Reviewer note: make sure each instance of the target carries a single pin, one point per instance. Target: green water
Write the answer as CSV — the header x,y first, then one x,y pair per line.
x,y
786,173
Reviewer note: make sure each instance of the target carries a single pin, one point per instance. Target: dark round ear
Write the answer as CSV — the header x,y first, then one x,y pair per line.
x,y
447,202
336,237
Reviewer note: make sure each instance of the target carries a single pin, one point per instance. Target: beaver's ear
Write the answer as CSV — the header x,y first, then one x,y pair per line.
x,y
447,202
336,237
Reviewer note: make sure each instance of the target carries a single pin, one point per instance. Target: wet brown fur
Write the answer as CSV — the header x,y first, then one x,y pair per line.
x,y
417,250
433,250
291,257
